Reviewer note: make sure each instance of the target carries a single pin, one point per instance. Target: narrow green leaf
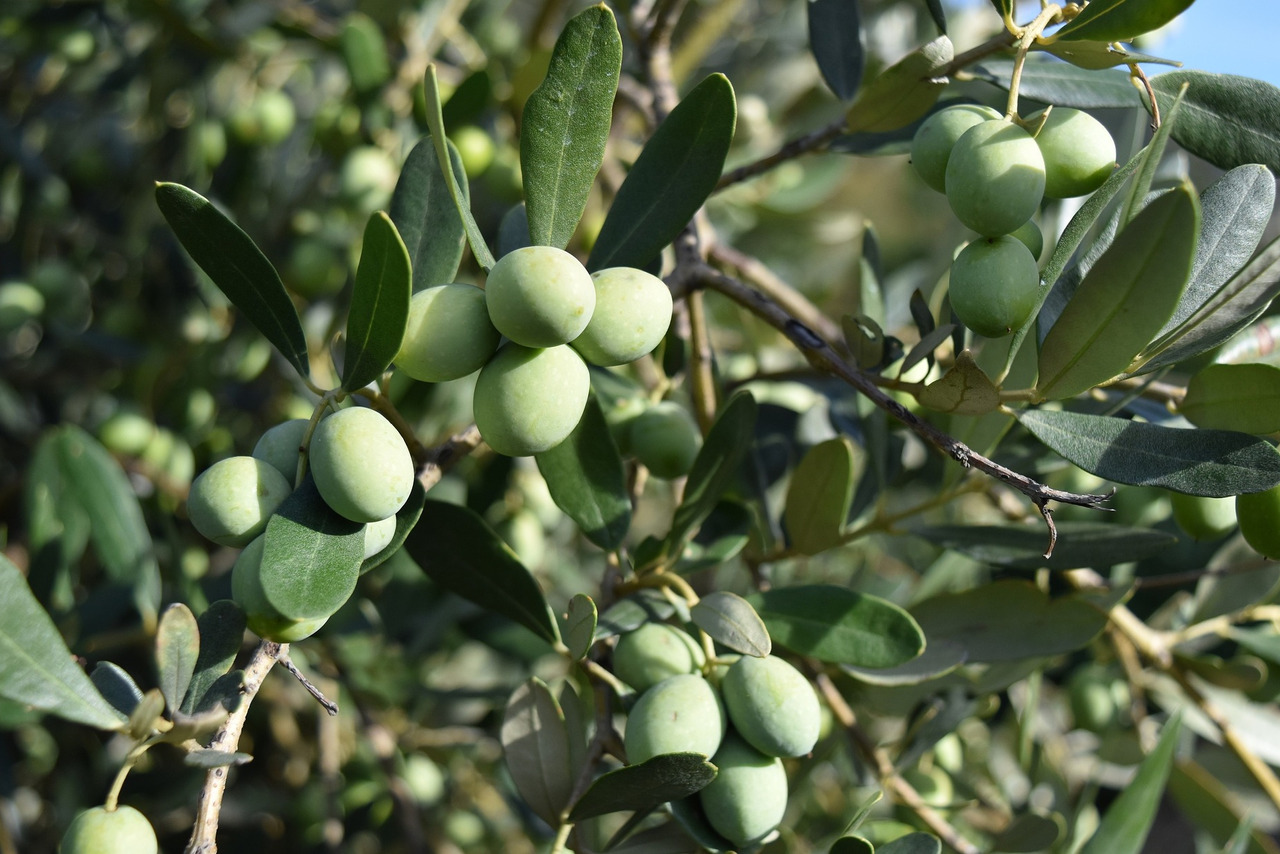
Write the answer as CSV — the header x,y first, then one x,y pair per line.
x,y
1213,463
580,626
458,551
237,266
221,629
1010,620
379,304
1080,544
1209,804
177,649
1226,119
820,494
938,14
406,517
311,556
1120,20
721,536
1031,833
904,91
674,174
715,467
637,788
731,621
1140,191
1004,8
565,124
627,615
1052,81
145,716
116,686
1124,300
456,187
835,39
536,745
1130,817
913,843
57,526
586,479
36,668
1099,55
1234,397
426,217
940,657
225,693
838,625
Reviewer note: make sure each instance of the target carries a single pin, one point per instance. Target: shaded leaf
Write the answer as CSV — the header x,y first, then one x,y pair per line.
x,y
627,615
146,715
580,626
1226,119
406,517
365,52
852,845
666,777
940,657
1208,803
455,185
820,494
1031,832
721,536
379,304
116,686
1129,819
565,125
835,39
221,629
458,551
177,649
225,693
1213,463
1234,397
731,621
586,479
904,91
674,174
912,843
536,746
1124,300
1099,55
1080,544
1120,20
964,389
839,625
208,758
237,266
938,14
1054,82
426,217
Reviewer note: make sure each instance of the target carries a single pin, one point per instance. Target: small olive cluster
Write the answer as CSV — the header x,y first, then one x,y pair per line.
x,y
361,468
995,172
745,715
533,389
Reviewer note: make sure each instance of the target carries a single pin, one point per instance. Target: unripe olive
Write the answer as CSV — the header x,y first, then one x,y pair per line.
x,y
281,445
995,285
448,334
681,714
932,144
123,830
260,615
378,535
19,302
619,414
276,116
540,296
1031,237
1078,152
1093,701
631,316
1259,517
231,501
665,439
126,432
315,268
368,177
995,177
653,652
934,786
361,465
475,147
772,705
1203,518
527,401
748,797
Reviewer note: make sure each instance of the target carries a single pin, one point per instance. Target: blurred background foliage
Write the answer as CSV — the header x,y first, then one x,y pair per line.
x,y
295,117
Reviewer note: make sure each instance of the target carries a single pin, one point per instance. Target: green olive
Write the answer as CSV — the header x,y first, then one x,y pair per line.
x,y
260,615
772,706
653,652
231,501
361,464
448,334
528,401
378,535
1259,516
995,285
1078,152
99,830
1203,518
540,296
995,177
748,797
631,316
281,445
934,139
665,439
681,714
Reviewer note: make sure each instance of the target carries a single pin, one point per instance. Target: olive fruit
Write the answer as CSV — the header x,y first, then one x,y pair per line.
x,y
771,705
653,652
995,285
540,296
631,316
361,465
681,714
528,401
315,268
231,501
378,535
665,439
995,177
261,616
448,334
932,144
126,432
281,445
99,830
20,302
475,148
1078,152
1203,518
1259,517
748,797
367,178
1031,237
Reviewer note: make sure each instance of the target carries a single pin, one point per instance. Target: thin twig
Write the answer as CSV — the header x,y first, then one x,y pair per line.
x,y
329,705
812,141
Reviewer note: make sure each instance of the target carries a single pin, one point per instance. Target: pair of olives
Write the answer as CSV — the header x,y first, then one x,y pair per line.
x,y
995,173
754,713
532,390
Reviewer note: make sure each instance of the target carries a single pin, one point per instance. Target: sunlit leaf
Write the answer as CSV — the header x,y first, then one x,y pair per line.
x,y
177,649
1120,20
1062,84
839,625
1225,119
1129,818
964,389
1234,397
732,622
820,494
904,91
580,625
426,217
379,304
666,777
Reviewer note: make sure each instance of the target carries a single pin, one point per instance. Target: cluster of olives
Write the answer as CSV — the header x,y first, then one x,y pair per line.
x,y
361,468
532,390
99,830
995,171
745,715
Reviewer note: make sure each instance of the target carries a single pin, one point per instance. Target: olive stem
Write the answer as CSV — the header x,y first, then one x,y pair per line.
x,y
329,705
700,363
130,759
1027,38
790,150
